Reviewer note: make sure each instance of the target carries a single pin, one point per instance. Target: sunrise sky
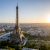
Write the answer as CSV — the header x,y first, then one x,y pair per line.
x,y
30,11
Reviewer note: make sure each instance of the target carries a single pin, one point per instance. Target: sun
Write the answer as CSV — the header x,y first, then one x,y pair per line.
x,y
48,19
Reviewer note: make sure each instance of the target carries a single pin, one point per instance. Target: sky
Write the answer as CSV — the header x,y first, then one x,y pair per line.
x,y
30,11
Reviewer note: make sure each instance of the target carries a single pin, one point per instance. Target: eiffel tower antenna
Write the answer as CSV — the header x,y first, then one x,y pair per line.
x,y
17,2
17,17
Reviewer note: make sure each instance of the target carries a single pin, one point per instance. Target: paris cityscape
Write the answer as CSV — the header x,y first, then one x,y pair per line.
x,y
24,25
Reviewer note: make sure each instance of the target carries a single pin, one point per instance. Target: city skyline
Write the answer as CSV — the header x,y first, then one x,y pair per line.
x,y
30,11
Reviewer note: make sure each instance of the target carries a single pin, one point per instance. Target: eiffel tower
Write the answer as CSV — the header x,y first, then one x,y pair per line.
x,y
15,37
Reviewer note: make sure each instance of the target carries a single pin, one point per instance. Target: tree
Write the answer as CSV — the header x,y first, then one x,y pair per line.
x,y
43,47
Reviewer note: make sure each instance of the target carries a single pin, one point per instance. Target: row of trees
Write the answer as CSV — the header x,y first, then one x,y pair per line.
x,y
36,45
7,45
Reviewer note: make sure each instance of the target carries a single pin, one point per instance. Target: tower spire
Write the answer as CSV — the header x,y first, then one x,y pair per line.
x,y
17,17
16,35
17,2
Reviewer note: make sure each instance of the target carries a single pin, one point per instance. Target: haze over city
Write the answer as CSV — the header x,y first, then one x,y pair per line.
x,y
30,11
24,24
